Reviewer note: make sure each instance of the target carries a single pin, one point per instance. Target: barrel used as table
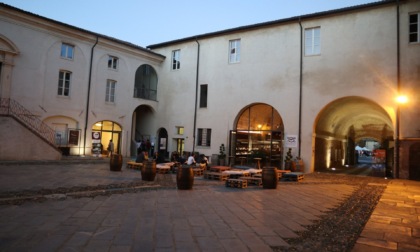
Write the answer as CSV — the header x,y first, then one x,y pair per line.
x,y
185,177
148,171
269,177
115,162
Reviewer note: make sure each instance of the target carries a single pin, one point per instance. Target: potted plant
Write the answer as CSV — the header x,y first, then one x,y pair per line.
x,y
298,164
222,154
289,160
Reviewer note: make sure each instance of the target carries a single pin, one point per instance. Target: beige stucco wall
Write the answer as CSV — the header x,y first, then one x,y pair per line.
x,y
18,143
358,58
36,68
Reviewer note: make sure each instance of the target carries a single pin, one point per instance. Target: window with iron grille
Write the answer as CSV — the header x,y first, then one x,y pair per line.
x,y
203,138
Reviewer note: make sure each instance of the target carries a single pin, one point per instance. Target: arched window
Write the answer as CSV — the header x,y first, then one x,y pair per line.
x,y
258,135
145,84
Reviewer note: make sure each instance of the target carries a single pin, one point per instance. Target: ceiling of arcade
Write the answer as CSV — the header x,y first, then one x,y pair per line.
x,y
355,117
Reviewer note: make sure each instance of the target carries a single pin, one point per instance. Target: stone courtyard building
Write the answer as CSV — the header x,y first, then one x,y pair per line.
x,y
318,84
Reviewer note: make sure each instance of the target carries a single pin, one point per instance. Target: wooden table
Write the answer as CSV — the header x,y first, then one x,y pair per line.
x,y
219,168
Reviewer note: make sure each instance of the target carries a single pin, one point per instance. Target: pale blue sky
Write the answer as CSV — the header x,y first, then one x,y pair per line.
x,y
155,21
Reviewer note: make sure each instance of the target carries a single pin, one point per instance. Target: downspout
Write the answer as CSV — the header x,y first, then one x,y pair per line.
x,y
196,93
88,95
397,124
300,88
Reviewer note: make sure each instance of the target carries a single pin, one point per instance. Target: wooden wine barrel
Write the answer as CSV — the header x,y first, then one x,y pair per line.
x,y
269,177
148,171
185,178
115,162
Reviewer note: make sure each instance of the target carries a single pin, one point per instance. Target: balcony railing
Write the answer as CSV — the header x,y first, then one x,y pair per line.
x,y
10,107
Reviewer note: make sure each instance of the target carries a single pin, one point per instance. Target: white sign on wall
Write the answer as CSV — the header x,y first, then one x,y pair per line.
x,y
291,141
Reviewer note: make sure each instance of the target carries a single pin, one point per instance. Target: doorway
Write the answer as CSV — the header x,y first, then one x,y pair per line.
x,y
108,131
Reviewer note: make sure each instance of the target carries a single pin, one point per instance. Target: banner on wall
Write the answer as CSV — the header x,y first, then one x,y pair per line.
x,y
96,144
291,141
162,144
74,137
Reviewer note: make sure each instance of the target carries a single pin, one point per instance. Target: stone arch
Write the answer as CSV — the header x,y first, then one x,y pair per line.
x,y
8,50
343,123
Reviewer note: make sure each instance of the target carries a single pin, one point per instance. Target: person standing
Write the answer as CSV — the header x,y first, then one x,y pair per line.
x,y
110,148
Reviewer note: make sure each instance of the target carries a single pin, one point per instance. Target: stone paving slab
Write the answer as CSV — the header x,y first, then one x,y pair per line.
x,y
205,219
394,224
210,217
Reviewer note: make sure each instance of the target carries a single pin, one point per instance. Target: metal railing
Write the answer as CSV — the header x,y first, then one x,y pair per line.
x,y
10,107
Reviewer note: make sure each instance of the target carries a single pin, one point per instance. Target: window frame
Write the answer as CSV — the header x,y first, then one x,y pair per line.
x,y
314,41
203,95
110,91
180,130
64,83
417,28
113,62
234,51
204,137
176,60
65,53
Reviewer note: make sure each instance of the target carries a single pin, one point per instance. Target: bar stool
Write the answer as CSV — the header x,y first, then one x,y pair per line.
x,y
231,160
242,160
258,165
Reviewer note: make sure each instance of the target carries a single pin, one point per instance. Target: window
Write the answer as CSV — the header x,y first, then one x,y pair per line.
x,y
204,136
64,79
203,96
313,41
112,62
110,91
234,51
145,83
67,51
176,64
414,32
180,130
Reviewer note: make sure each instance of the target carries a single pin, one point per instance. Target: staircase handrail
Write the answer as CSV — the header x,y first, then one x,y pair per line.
x,y
10,107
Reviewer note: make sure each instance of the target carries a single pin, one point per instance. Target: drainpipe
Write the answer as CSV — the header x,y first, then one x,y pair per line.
x,y
88,95
397,124
196,92
300,88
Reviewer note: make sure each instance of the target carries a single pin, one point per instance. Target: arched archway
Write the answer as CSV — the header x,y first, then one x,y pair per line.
x,y
145,83
347,123
258,133
142,127
162,145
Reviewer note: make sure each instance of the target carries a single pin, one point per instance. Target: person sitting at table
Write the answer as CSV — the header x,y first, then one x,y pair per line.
x,y
140,157
191,159
204,160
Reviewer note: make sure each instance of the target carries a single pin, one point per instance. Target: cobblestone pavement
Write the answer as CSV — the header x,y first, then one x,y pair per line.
x,y
211,217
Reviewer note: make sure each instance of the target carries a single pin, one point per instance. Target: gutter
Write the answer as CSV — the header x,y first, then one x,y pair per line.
x,y
88,95
397,123
300,87
196,93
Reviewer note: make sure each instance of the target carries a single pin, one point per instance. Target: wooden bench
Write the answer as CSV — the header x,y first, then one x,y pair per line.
x,y
134,165
293,176
252,180
162,169
216,176
198,171
237,183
